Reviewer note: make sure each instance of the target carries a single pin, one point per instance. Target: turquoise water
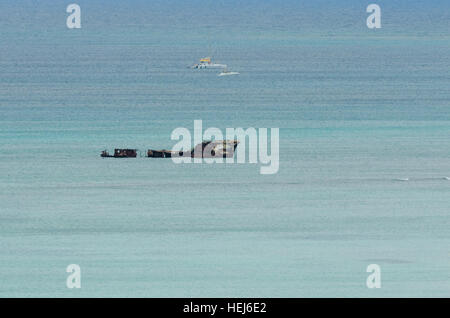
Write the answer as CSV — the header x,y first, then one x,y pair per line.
x,y
358,111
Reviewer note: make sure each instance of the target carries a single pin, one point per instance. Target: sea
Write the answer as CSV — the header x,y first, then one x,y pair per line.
x,y
364,149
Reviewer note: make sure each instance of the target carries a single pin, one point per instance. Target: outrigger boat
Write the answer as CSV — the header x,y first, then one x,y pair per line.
x,y
207,63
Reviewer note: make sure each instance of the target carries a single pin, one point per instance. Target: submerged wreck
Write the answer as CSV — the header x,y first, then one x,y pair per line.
x,y
120,153
206,149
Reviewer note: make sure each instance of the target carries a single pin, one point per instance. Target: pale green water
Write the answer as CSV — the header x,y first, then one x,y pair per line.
x,y
357,111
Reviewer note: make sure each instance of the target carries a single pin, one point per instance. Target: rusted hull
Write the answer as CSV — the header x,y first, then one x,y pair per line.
x,y
207,149
120,153
215,149
163,153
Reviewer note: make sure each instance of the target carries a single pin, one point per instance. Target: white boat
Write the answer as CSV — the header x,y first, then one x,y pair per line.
x,y
225,72
207,63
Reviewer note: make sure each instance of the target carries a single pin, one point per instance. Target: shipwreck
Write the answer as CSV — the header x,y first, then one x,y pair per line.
x,y
206,149
120,153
